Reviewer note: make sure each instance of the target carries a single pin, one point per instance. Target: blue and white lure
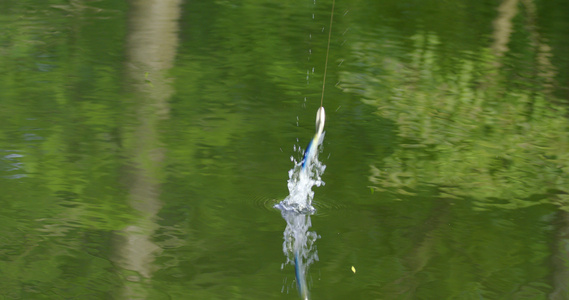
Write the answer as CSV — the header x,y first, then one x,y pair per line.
x,y
312,148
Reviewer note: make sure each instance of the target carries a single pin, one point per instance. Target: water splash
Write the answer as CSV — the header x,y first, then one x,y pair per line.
x,y
305,174
296,208
299,248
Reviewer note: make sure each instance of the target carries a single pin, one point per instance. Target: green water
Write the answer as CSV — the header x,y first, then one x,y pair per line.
x,y
143,145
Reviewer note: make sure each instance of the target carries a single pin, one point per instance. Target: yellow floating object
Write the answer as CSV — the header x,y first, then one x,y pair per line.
x,y
353,269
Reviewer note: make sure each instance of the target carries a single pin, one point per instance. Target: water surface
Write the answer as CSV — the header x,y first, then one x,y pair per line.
x,y
144,145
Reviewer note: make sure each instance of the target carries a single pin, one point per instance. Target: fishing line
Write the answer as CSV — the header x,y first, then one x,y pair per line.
x,y
327,52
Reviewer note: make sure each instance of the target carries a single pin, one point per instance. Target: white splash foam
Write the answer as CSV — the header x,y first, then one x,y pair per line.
x,y
301,180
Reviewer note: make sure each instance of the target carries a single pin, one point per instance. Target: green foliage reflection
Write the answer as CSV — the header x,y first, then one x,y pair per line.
x,y
461,132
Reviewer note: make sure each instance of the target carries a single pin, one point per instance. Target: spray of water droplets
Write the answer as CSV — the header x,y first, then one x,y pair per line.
x,y
302,179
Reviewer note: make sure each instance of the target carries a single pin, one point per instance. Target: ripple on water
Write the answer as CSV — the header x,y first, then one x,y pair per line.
x,y
323,206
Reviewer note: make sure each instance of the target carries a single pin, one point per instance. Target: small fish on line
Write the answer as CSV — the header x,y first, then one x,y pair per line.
x,y
312,148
